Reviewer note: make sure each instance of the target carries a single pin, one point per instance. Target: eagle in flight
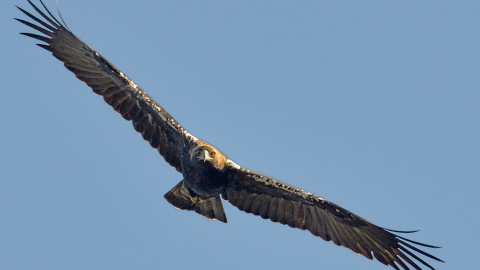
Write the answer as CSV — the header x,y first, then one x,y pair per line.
x,y
209,175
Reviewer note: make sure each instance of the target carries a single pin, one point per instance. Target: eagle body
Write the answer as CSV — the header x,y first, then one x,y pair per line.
x,y
203,169
208,175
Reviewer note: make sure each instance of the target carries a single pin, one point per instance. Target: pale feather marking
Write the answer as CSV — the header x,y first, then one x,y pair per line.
x,y
272,182
132,87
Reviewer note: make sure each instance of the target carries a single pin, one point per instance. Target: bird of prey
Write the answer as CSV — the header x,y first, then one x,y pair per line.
x,y
209,175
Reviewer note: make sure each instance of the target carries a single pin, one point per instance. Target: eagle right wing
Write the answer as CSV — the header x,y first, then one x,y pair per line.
x,y
155,124
271,199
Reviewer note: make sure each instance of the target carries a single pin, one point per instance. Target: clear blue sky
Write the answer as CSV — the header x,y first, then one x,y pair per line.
x,y
374,105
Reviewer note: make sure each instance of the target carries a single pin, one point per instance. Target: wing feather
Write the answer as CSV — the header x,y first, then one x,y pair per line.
x,y
148,118
256,203
298,215
265,206
266,197
272,212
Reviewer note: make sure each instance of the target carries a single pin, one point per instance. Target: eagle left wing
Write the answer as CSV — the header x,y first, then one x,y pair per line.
x,y
271,199
155,124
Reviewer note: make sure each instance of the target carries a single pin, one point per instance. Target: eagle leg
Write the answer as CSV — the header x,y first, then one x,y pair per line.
x,y
182,197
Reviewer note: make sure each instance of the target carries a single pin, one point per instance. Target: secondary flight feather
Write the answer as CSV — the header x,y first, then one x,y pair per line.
x,y
208,174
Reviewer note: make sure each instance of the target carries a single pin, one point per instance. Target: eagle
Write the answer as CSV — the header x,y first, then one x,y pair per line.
x,y
209,175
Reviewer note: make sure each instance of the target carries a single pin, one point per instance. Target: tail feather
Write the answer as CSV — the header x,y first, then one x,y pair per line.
x,y
181,197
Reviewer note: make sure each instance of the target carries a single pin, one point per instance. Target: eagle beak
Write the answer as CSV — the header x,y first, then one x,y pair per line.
x,y
205,156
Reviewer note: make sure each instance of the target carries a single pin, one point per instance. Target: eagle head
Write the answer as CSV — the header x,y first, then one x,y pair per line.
x,y
206,154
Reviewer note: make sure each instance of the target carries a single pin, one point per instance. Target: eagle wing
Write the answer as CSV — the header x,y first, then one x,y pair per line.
x,y
155,124
271,199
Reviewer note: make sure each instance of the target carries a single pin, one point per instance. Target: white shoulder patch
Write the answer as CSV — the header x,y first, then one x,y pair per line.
x,y
234,165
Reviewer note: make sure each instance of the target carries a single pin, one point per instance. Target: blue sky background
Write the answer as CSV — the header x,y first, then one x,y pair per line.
x,y
373,105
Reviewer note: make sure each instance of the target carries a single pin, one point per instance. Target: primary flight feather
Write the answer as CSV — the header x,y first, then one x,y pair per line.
x,y
209,175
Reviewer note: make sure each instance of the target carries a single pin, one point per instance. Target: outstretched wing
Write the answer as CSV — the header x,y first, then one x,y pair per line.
x,y
271,199
148,118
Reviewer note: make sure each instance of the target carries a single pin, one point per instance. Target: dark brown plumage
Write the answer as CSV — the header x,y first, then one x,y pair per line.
x,y
207,173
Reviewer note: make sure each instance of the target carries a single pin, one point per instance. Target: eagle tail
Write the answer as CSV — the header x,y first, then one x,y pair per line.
x,y
183,198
